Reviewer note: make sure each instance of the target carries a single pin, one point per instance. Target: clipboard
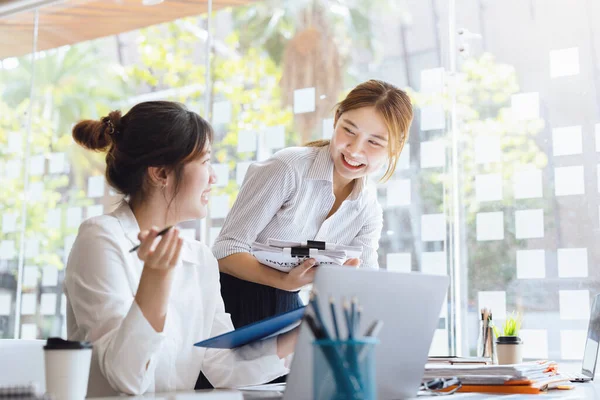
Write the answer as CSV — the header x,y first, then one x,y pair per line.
x,y
256,331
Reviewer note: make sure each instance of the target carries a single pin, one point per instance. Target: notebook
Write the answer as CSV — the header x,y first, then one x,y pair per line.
x,y
259,330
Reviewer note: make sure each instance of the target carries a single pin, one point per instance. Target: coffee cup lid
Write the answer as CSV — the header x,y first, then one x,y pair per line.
x,y
56,343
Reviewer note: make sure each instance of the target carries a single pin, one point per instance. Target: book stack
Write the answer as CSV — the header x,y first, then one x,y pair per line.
x,y
526,378
284,255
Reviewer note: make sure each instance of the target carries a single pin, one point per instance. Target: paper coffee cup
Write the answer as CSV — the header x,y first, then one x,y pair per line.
x,y
509,350
67,365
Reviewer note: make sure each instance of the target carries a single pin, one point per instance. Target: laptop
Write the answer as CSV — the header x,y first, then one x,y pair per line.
x,y
590,354
409,304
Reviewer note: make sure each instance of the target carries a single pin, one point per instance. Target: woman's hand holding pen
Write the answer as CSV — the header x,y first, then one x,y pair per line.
x,y
161,256
300,276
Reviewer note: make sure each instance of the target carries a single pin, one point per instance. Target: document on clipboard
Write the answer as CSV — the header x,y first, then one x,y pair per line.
x,y
259,330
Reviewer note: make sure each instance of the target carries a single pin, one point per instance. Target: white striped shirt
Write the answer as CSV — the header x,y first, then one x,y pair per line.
x,y
288,197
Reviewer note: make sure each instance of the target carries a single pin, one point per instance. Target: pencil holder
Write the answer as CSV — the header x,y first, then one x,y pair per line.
x,y
344,369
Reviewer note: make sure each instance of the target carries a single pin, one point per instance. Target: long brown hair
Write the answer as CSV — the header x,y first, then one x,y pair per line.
x,y
152,134
392,103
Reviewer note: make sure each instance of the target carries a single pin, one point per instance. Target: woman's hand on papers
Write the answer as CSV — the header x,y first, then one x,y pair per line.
x,y
300,276
352,262
286,342
161,256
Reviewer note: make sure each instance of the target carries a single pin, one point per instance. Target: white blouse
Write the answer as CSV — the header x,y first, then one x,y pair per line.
x,y
100,284
289,196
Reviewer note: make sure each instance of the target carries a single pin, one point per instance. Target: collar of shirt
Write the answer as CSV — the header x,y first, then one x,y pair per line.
x,y
125,216
322,169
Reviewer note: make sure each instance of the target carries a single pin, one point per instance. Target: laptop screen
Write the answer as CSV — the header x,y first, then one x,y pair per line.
x,y
590,355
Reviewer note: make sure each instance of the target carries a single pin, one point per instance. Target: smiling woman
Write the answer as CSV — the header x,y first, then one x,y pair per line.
x,y
285,198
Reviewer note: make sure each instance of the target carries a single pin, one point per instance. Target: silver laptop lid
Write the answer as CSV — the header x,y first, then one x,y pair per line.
x,y
590,355
408,303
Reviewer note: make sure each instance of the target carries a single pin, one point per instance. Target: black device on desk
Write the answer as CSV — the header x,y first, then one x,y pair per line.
x,y
590,354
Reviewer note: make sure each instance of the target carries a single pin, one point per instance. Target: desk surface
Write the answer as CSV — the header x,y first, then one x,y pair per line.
x,y
581,391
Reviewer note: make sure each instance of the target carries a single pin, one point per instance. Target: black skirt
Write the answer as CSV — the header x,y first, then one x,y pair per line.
x,y
248,302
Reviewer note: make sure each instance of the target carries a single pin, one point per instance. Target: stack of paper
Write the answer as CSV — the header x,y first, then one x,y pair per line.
x,y
286,255
531,377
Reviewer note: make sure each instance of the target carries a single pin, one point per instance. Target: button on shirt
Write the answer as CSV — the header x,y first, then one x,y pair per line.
x,y
100,284
289,196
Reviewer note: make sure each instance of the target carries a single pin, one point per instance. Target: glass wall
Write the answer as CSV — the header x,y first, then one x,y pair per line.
x,y
506,121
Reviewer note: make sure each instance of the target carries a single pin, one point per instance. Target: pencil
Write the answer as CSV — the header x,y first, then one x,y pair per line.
x,y
158,234
334,318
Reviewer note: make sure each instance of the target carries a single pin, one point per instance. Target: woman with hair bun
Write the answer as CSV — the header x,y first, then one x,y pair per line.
x,y
144,310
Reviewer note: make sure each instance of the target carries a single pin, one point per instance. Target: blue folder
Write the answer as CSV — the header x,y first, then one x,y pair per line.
x,y
255,331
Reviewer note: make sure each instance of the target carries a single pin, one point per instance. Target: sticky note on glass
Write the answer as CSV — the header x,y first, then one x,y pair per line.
x,y
487,149
9,222
221,112
28,303
564,62
37,164
95,186
531,264
328,128
488,187
304,100
433,154
525,106
5,304
574,304
94,211
246,141
439,343
432,81
572,263
48,304
433,227
7,250
572,343
222,173
63,304
240,172
274,137
527,184
36,191
15,143
490,226
568,181
74,216
567,140
28,331
537,340
399,262
57,163
434,263
32,248
53,218
49,276
529,224
398,193
30,276
12,169
494,301
219,206
433,117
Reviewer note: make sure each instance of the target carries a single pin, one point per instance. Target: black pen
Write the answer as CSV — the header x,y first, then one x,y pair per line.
x,y
158,234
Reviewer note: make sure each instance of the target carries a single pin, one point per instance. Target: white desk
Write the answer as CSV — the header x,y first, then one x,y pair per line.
x,y
582,391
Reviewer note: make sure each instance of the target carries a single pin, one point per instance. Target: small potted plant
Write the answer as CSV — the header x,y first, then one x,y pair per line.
x,y
509,345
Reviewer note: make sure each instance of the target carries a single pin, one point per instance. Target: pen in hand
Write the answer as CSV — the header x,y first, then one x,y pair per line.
x,y
158,234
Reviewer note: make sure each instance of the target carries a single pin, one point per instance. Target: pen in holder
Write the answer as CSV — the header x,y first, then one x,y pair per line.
x,y
486,343
344,369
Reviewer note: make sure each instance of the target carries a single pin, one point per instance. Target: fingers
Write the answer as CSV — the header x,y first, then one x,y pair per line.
x,y
352,262
147,239
306,265
163,250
